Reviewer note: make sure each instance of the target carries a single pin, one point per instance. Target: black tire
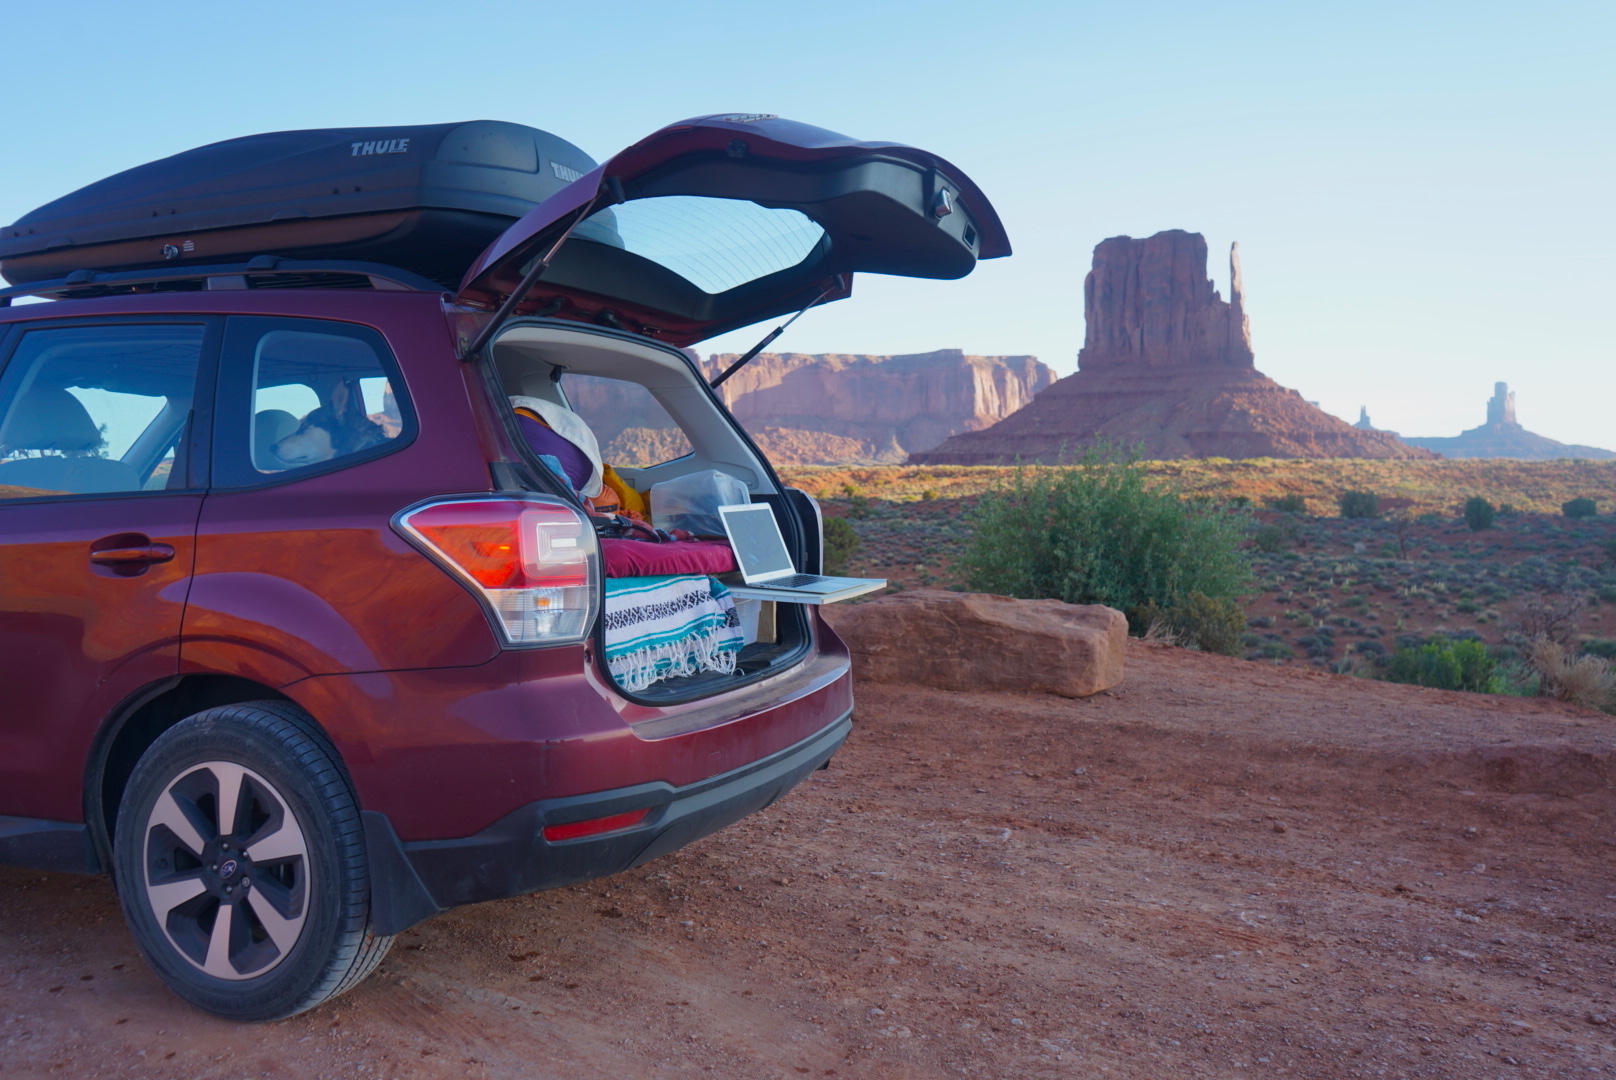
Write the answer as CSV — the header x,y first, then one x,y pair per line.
x,y
296,920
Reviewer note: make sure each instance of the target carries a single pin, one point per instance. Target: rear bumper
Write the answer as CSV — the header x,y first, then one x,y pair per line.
x,y
411,881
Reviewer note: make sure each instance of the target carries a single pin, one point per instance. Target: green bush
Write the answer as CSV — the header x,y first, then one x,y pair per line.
x,y
1359,504
1269,539
1447,665
1602,647
841,544
1290,504
1101,532
1479,513
1577,509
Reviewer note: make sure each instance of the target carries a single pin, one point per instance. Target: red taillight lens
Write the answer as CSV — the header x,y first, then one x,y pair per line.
x,y
594,826
532,560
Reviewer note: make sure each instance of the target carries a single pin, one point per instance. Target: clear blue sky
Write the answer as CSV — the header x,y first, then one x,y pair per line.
x,y
1424,194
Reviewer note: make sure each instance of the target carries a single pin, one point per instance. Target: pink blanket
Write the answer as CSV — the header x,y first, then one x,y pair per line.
x,y
637,558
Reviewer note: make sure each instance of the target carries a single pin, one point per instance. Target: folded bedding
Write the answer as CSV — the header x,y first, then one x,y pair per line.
x,y
639,558
662,626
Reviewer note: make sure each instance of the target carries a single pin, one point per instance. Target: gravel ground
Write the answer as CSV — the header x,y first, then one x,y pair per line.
x,y
1221,869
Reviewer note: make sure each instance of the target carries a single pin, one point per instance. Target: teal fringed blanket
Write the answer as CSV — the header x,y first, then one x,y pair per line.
x,y
660,627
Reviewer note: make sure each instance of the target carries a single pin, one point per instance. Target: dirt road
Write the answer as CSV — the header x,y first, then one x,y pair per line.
x,y
1222,870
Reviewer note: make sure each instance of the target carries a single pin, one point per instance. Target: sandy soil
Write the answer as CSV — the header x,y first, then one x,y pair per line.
x,y
1220,870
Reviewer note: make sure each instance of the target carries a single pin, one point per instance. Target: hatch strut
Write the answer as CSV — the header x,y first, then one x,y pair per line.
x,y
768,339
612,185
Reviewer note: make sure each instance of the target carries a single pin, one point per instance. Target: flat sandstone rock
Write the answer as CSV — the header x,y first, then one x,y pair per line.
x,y
978,641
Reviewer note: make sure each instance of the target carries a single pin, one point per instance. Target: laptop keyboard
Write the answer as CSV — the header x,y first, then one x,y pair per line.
x,y
791,582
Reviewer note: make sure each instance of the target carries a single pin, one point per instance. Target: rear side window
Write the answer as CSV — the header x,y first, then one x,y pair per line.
x,y
632,428
300,396
88,410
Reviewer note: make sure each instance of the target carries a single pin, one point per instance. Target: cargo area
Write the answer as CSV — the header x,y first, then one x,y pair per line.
x,y
654,422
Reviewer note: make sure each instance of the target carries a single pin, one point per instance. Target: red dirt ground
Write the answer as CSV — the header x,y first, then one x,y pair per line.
x,y
1221,869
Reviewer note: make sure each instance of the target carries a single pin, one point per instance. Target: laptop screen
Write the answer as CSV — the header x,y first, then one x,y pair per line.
x,y
755,536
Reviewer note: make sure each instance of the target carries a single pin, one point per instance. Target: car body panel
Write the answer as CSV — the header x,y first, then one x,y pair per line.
x,y
454,749
75,639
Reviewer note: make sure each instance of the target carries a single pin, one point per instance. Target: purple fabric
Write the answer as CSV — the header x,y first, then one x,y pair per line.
x,y
574,462
638,558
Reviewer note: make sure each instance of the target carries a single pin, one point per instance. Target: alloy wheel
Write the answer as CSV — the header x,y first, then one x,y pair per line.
x,y
227,870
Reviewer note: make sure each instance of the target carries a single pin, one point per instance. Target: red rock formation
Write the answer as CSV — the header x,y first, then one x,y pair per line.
x,y
1502,436
831,408
1166,369
824,409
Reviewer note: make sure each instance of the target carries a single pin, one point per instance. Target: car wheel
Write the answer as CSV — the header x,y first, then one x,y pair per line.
x,y
240,862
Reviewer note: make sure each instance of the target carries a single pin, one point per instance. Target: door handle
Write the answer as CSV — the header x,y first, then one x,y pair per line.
x,y
129,554
139,554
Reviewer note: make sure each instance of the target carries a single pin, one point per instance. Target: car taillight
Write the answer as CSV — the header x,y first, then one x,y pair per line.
x,y
532,560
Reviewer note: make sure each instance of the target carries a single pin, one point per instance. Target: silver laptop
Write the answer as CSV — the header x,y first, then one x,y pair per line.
x,y
760,552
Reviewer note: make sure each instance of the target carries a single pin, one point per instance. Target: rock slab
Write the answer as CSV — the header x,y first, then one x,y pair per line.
x,y
979,641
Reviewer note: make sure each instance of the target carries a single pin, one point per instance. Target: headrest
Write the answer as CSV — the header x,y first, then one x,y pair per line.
x,y
270,426
50,418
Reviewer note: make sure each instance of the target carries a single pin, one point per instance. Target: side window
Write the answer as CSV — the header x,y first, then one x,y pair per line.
x,y
94,409
302,395
633,430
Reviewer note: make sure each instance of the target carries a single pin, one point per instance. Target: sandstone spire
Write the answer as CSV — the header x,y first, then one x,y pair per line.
x,y
1167,370
1150,302
1501,409
1239,325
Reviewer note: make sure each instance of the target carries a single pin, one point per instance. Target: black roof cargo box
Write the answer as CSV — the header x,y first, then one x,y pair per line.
x,y
427,199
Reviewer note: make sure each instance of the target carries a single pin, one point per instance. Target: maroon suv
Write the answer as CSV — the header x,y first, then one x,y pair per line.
x,y
300,639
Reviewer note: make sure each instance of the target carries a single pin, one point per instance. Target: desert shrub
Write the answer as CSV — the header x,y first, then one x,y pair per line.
x,y
1277,650
1200,622
1601,647
1359,504
1102,532
1446,665
1261,622
1479,513
1577,509
1582,680
841,544
930,495
1268,539
1545,615
1290,504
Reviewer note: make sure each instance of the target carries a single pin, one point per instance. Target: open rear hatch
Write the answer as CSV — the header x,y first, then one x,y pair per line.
x,y
706,226
722,221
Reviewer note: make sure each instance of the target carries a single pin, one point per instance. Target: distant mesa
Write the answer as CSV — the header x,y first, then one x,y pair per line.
x,y
833,408
827,408
1502,436
1167,368
1365,424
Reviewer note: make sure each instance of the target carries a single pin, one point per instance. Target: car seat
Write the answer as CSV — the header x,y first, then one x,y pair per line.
x,y
54,422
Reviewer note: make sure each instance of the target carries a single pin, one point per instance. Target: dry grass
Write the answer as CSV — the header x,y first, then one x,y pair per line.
x,y
1418,487
1582,680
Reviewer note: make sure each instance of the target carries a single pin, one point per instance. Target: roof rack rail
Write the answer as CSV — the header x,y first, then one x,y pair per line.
x,y
81,284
